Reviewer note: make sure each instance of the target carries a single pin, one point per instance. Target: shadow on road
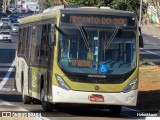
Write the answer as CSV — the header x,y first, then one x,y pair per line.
x,y
150,58
149,101
11,97
8,55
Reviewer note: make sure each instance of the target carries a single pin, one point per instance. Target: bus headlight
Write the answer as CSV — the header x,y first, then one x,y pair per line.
x,y
130,86
62,83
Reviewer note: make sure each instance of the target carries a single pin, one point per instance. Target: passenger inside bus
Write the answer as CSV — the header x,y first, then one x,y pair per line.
x,y
115,56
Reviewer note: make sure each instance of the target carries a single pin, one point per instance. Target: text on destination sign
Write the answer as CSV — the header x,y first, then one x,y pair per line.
x,y
98,20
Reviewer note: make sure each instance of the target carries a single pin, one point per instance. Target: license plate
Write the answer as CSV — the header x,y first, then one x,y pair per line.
x,y
96,98
5,37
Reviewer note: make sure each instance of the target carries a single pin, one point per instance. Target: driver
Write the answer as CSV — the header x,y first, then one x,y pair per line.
x,y
115,56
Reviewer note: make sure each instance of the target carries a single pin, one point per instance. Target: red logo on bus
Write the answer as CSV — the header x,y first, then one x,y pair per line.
x,y
96,98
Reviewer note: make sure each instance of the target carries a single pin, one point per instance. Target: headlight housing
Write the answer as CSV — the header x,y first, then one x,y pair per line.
x,y
61,82
131,85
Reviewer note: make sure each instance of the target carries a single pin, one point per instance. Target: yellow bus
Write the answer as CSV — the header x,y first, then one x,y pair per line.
x,y
79,55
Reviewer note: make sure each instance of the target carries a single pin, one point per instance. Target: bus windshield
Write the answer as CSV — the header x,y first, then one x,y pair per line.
x,y
97,51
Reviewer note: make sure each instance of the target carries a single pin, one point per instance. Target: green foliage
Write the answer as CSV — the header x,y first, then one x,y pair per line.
x,y
145,63
87,2
127,5
44,3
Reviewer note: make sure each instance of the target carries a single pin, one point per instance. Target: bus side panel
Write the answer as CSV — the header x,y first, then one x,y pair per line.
x,y
21,74
37,75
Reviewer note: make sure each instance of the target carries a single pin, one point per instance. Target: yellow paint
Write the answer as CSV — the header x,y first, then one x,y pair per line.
x,y
36,78
37,72
69,48
90,56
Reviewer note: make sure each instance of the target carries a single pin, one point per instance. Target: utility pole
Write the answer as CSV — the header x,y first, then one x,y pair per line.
x,y
140,13
4,6
8,5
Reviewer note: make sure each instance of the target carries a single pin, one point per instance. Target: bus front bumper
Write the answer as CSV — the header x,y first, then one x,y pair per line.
x,y
80,97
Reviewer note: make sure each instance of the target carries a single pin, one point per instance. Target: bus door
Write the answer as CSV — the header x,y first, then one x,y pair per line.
x,y
50,71
50,40
32,42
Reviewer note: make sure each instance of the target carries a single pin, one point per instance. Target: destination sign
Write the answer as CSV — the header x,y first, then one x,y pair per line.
x,y
81,63
110,20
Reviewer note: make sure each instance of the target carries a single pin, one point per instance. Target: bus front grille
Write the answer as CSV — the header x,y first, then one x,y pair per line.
x,y
98,81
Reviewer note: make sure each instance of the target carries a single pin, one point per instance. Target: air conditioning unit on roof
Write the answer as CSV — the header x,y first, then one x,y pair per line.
x,y
105,7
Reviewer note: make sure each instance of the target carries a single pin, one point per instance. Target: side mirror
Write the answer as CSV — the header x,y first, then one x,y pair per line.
x,y
52,35
52,38
119,33
141,45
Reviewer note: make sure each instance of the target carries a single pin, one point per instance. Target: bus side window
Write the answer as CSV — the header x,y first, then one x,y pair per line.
x,y
52,35
45,43
23,40
34,45
28,37
37,44
19,40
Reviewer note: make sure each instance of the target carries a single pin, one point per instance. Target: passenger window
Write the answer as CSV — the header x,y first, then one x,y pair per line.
x,y
36,45
45,43
19,41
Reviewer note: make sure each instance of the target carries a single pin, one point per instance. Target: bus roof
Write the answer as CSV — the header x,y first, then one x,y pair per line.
x,y
51,12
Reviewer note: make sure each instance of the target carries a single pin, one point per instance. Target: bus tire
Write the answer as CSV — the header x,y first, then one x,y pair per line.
x,y
47,107
25,99
115,110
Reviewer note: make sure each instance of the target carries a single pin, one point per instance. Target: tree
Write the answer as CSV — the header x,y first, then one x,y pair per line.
x,y
128,5
44,4
50,3
87,2
58,2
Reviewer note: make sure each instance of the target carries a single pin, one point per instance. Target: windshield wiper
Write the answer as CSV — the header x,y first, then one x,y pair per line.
x,y
59,30
84,36
111,38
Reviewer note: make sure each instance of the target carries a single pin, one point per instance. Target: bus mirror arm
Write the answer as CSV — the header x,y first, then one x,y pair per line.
x,y
141,44
52,38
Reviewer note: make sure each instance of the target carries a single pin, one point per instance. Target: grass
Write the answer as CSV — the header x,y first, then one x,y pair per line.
x,y
149,87
146,63
149,76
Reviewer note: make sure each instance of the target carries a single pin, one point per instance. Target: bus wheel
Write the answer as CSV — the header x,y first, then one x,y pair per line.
x,y
47,107
25,99
115,110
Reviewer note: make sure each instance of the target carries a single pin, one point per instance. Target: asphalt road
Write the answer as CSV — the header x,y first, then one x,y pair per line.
x,y
151,50
10,100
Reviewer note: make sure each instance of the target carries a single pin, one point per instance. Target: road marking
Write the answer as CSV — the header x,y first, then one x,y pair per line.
x,y
6,89
155,36
150,52
13,89
152,118
130,109
20,109
3,82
